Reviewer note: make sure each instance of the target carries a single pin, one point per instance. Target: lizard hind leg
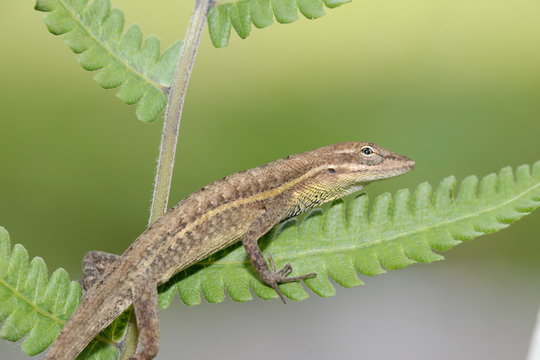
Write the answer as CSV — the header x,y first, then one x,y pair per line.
x,y
93,265
145,303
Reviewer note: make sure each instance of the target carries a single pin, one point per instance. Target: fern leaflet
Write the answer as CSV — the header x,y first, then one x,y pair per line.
x,y
36,308
94,32
242,13
397,231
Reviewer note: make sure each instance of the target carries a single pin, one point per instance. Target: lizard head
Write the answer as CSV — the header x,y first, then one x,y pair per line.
x,y
364,162
342,169
355,164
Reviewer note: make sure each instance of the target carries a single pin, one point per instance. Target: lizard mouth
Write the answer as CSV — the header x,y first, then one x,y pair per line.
x,y
401,167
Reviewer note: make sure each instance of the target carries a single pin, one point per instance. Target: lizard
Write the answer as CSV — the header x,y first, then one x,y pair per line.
x,y
245,206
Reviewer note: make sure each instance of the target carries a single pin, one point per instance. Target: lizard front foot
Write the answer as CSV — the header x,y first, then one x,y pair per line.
x,y
275,276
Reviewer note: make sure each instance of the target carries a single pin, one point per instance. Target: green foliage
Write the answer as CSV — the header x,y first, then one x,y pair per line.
x,y
241,13
99,350
29,304
94,32
397,231
36,308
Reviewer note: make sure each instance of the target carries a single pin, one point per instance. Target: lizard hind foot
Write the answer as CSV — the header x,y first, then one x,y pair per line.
x,y
281,276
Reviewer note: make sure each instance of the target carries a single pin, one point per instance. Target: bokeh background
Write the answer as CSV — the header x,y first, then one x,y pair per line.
x,y
454,84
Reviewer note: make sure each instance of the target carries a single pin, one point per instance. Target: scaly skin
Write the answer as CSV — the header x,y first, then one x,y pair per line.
x,y
243,206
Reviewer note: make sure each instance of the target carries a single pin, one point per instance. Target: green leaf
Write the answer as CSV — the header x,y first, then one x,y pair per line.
x,y
242,13
397,231
94,32
32,306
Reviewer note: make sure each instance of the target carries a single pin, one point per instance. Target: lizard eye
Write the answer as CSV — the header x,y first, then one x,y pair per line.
x,y
367,151
331,171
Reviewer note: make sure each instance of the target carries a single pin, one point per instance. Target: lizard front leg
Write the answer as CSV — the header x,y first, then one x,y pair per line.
x,y
274,276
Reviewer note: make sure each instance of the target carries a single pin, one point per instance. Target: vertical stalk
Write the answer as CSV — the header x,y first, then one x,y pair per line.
x,y
534,349
169,138
173,112
131,337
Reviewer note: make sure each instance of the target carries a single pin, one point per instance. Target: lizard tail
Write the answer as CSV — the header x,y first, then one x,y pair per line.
x,y
90,318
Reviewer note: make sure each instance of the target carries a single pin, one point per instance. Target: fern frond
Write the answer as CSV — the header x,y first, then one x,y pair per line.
x,y
31,305
397,231
242,13
94,32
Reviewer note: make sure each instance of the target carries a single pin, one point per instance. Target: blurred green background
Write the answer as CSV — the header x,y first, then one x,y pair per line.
x,y
453,84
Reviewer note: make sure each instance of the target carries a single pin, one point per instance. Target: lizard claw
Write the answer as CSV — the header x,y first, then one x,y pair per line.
x,y
281,276
272,263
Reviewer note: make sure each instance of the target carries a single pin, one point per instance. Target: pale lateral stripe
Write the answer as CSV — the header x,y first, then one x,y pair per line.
x,y
257,197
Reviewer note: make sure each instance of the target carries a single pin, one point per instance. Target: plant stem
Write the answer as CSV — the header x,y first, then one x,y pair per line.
x,y
131,337
169,138
173,112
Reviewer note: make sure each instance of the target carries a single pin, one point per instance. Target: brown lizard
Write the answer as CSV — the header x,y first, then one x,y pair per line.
x,y
243,206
